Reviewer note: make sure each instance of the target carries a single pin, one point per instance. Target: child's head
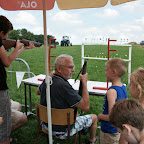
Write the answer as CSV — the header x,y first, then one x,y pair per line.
x,y
5,25
128,117
137,83
117,66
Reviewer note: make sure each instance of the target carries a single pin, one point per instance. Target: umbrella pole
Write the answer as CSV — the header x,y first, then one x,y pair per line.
x,y
47,75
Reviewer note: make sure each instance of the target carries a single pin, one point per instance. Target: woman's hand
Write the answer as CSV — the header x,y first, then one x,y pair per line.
x,y
31,45
19,45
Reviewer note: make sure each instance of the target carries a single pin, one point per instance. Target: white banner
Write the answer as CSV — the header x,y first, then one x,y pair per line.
x,y
19,78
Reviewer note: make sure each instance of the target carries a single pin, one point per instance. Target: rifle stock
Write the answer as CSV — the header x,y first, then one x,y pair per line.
x,y
9,43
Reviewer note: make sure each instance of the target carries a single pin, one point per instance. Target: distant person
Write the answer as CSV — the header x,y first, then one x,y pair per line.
x,y
64,96
137,85
5,60
115,69
128,117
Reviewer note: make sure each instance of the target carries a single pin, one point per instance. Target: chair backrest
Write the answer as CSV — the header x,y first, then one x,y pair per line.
x,y
58,116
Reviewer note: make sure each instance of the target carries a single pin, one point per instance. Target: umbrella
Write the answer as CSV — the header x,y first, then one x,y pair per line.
x,y
44,5
62,4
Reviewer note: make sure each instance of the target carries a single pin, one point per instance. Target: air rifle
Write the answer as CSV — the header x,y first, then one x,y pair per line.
x,y
9,43
80,91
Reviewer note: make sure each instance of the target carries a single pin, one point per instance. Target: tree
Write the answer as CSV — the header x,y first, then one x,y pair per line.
x,y
14,35
39,38
24,34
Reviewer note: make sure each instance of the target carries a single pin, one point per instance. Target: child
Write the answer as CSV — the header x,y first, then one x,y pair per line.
x,y
128,117
5,61
137,85
115,69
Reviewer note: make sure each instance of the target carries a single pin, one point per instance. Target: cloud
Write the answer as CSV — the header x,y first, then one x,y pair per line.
x,y
108,13
127,31
65,17
130,27
24,18
140,21
134,6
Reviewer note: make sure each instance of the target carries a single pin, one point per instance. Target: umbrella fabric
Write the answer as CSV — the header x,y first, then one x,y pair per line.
x,y
13,5
62,4
117,2
78,4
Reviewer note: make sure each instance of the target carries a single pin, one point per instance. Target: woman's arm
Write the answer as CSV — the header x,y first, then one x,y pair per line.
x,y
7,60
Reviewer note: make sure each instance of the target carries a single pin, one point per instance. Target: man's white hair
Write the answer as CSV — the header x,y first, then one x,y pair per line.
x,y
60,60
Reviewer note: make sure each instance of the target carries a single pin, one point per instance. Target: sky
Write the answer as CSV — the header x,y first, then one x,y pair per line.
x,y
123,23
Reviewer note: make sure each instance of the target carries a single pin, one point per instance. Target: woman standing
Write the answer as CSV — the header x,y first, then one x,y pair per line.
x,y
5,60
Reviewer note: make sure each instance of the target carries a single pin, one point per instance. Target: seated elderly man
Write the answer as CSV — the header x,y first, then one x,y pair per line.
x,y
64,96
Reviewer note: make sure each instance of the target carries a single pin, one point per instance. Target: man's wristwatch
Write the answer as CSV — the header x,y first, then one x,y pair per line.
x,y
1,42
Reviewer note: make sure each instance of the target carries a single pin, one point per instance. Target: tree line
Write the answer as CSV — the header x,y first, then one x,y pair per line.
x,y
24,34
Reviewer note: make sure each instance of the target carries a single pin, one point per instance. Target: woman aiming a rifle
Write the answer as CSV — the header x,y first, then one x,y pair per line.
x,y
5,109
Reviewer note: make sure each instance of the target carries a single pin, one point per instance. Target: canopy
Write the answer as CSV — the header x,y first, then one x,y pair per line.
x,y
13,5
78,4
62,4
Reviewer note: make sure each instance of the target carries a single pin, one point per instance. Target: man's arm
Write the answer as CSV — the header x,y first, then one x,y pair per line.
x,y
84,103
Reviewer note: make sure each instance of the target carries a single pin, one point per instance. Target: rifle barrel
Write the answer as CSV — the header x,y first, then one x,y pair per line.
x,y
9,43
81,69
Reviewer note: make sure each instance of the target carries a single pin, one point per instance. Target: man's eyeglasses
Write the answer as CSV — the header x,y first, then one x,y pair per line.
x,y
70,67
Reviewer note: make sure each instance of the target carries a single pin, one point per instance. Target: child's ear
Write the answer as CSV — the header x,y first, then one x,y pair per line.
x,y
114,71
127,128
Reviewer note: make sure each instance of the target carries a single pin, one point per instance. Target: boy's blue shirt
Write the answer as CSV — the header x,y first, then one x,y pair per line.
x,y
106,127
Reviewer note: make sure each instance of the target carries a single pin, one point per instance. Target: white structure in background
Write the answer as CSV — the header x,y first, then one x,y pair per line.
x,y
96,58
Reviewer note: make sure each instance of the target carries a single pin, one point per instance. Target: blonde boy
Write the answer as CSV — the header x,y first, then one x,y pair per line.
x,y
115,69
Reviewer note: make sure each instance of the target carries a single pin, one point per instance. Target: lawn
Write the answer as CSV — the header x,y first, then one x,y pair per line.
x,y
95,69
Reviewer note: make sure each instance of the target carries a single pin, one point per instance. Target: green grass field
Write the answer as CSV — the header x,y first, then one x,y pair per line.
x,y
95,69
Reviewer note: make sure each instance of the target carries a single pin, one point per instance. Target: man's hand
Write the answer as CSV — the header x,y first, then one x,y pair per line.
x,y
84,78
